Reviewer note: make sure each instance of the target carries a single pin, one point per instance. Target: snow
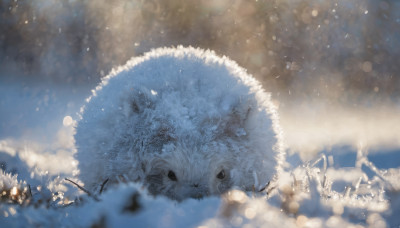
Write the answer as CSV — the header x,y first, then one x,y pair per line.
x,y
341,186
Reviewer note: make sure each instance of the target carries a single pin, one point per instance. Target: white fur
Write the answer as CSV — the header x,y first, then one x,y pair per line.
x,y
184,110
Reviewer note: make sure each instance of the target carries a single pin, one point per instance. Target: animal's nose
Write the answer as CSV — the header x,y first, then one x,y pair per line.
x,y
195,185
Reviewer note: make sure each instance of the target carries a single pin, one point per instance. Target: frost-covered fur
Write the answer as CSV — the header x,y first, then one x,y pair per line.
x,y
184,121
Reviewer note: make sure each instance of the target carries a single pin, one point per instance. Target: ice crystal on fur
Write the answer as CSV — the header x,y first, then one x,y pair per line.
x,y
184,121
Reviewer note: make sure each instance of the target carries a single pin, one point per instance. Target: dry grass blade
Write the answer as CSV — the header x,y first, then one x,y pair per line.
x,y
102,185
83,189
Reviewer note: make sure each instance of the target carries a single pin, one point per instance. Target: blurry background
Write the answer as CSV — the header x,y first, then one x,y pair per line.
x,y
332,66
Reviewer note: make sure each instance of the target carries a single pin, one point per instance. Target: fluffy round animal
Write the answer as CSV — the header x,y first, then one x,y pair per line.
x,y
184,122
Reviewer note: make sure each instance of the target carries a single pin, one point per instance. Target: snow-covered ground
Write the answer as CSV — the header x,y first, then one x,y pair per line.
x,y
339,171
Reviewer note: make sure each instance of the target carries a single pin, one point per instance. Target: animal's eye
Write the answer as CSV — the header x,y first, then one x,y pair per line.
x,y
221,175
172,176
